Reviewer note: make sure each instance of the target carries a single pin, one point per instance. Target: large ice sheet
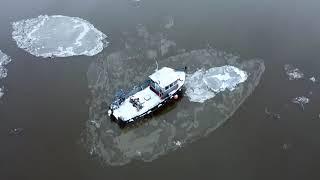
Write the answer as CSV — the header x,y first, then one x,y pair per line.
x,y
58,36
203,85
178,124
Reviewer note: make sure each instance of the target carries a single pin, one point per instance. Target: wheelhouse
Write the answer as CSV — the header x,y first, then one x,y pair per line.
x,y
164,81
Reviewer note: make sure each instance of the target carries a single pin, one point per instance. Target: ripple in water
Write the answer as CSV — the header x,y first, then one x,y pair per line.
x,y
173,127
58,36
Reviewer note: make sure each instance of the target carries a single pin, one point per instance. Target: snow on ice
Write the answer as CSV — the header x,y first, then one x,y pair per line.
x,y
58,36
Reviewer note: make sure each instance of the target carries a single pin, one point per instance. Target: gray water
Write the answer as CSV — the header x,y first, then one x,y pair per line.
x,y
51,100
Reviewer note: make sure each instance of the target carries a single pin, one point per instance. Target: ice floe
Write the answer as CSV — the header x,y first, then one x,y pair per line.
x,y
292,72
180,123
203,85
58,36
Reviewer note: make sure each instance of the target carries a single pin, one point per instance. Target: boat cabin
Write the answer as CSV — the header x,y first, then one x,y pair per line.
x,y
164,81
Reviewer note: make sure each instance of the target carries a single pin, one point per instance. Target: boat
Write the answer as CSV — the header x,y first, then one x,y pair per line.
x,y
161,87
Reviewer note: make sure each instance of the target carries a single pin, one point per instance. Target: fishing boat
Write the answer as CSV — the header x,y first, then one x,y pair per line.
x,y
160,87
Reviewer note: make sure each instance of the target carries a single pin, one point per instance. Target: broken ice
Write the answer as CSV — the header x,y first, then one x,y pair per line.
x,y
180,123
292,72
203,85
58,36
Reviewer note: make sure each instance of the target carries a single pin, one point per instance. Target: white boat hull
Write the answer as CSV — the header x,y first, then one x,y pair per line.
x,y
148,101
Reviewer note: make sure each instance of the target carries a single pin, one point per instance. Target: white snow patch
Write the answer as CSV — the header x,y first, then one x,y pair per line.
x,y
203,85
58,36
292,72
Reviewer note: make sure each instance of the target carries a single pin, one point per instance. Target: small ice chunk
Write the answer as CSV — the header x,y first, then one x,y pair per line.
x,y
286,146
272,114
4,60
93,150
313,79
302,100
166,45
58,36
203,85
16,131
169,22
177,143
151,54
135,3
1,92
95,123
292,72
139,153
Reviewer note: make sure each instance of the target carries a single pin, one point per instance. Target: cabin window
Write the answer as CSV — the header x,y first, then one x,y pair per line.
x,y
166,88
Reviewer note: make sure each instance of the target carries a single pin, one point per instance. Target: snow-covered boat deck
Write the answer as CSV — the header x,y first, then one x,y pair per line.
x,y
148,100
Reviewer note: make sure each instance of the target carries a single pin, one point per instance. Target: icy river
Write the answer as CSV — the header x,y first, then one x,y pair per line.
x,y
250,108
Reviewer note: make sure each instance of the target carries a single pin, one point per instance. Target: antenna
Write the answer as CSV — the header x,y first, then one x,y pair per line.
x,y
156,64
